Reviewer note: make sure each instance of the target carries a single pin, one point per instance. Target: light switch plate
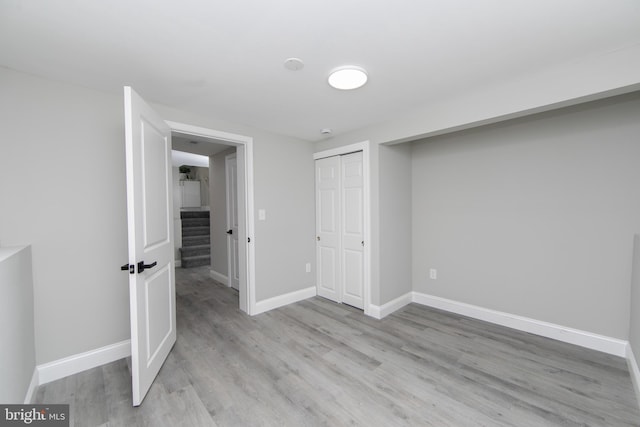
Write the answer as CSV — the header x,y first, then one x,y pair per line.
x,y
262,214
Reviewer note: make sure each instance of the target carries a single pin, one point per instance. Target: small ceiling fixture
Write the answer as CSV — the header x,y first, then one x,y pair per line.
x,y
348,77
293,64
326,131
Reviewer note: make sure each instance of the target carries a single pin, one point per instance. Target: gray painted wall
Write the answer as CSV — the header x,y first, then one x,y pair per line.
x,y
218,195
286,239
395,221
18,355
71,207
535,216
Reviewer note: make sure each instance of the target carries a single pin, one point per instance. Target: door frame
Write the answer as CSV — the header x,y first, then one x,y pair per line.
x,y
365,147
246,250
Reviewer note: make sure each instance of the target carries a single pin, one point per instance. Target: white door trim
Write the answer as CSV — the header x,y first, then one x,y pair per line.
x,y
247,249
366,164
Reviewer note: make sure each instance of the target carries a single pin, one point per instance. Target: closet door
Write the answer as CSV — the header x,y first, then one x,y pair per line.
x,y
328,228
339,228
352,239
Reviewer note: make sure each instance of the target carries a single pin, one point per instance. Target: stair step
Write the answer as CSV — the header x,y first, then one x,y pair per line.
x,y
195,240
194,222
188,251
194,214
195,261
195,231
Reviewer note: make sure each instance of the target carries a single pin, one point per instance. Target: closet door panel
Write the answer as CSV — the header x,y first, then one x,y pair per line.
x,y
352,259
328,228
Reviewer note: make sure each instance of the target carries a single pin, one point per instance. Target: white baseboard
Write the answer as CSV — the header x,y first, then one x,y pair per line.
x,y
33,387
632,363
81,362
386,309
586,339
282,300
219,277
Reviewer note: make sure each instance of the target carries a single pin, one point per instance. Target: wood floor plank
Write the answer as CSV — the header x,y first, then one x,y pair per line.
x,y
317,363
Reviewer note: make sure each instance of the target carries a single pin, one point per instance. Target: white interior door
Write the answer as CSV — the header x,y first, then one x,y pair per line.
x,y
231,171
150,224
352,230
328,228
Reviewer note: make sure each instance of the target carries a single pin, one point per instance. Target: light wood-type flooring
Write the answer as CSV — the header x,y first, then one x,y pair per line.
x,y
317,363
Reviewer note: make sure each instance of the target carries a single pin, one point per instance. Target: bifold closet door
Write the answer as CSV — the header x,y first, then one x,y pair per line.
x,y
339,228
351,226
328,227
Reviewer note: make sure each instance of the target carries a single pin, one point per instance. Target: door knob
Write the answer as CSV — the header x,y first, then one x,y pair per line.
x,y
130,267
229,231
142,266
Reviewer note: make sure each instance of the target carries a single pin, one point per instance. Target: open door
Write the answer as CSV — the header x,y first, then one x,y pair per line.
x,y
231,171
150,223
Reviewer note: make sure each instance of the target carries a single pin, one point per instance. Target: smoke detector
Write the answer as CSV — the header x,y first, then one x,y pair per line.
x,y
294,64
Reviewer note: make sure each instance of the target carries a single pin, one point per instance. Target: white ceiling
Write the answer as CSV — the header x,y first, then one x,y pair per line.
x,y
179,158
196,145
225,58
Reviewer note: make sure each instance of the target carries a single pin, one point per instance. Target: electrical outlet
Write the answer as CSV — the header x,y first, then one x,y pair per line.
x,y
308,267
433,274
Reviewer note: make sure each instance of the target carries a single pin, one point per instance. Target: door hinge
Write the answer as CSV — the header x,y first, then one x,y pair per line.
x,y
248,239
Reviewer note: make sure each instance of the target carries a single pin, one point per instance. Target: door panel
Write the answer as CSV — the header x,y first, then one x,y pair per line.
x,y
352,261
327,269
231,171
155,147
328,228
352,230
157,292
150,242
328,207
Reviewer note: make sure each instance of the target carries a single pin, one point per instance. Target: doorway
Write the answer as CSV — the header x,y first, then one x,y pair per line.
x,y
245,223
191,201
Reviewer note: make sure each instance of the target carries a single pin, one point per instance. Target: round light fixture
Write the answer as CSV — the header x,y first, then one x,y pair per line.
x,y
348,77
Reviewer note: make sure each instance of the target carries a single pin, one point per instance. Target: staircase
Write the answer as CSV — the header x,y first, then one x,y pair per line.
x,y
196,247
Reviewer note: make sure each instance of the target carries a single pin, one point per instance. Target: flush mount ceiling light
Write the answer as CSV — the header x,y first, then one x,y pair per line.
x,y
347,77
